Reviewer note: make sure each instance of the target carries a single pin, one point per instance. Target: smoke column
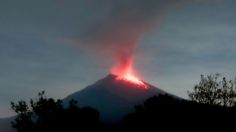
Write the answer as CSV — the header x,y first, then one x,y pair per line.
x,y
123,23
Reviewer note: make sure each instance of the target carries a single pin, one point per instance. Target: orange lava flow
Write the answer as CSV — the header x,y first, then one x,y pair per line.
x,y
133,79
126,73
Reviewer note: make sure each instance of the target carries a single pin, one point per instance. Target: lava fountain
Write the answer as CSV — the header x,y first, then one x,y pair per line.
x,y
125,71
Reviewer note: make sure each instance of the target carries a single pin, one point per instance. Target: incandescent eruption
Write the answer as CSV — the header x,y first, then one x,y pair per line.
x,y
119,29
125,71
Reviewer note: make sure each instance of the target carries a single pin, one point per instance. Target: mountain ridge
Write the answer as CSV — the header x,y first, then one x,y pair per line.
x,y
113,98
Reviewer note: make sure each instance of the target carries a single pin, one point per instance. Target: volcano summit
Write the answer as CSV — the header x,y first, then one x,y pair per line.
x,y
114,97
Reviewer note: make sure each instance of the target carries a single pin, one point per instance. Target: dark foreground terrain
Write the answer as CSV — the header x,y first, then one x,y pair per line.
x,y
158,113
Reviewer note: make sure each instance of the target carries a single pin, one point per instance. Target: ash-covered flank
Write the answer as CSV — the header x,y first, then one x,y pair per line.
x,y
112,97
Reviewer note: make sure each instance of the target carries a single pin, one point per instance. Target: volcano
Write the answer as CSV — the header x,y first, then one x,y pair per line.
x,y
114,98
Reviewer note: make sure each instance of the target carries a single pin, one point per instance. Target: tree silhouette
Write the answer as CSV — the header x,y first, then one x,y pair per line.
x,y
46,115
212,105
214,90
164,112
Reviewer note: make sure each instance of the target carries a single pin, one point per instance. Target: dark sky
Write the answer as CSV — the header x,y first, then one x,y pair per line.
x,y
60,45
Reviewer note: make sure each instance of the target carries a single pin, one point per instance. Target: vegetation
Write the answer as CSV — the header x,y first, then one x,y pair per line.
x,y
48,115
214,90
165,112
212,105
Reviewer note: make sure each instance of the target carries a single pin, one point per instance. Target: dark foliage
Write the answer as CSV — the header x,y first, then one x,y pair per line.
x,y
158,113
167,113
214,90
48,115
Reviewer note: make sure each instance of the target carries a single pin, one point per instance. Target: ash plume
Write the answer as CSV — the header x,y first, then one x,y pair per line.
x,y
125,22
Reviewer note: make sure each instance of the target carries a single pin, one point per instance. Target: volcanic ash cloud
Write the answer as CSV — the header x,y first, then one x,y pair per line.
x,y
117,33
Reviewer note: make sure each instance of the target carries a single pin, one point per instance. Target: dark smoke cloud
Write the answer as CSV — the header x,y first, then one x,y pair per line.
x,y
117,35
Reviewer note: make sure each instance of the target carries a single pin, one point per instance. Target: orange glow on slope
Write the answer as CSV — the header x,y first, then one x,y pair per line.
x,y
126,73
133,79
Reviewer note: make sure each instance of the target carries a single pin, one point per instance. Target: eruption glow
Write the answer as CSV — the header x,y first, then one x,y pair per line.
x,y
118,30
125,71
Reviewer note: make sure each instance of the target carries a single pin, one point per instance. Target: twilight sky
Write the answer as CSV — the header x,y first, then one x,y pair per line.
x,y
61,46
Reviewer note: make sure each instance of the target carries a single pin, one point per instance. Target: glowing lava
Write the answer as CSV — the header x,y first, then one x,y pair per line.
x,y
133,79
126,72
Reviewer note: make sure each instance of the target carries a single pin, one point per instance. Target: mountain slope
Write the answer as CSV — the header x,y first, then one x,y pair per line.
x,y
113,98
